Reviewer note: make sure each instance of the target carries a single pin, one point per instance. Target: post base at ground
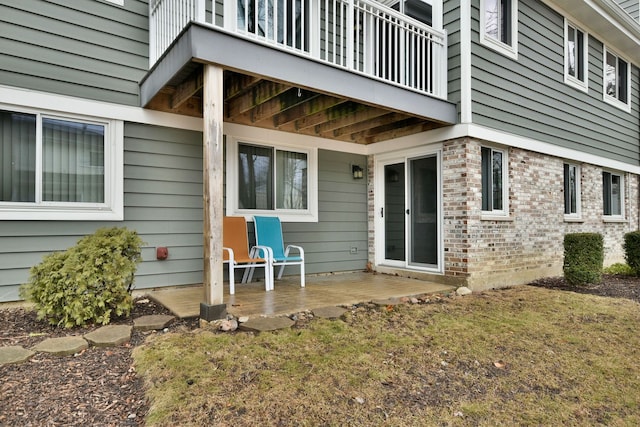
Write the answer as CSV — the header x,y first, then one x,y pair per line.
x,y
212,312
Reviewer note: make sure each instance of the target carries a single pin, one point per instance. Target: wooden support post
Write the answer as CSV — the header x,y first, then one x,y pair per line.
x,y
213,98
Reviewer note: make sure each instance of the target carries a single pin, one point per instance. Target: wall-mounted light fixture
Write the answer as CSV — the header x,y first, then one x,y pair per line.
x,y
357,171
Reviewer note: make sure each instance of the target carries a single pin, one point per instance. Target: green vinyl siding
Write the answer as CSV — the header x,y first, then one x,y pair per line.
x,y
342,224
528,96
163,203
83,48
451,23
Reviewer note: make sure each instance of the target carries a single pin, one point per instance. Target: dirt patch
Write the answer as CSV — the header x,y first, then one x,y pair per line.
x,y
99,386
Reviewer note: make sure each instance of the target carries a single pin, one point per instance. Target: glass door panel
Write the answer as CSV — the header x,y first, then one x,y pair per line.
x,y
394,212
423,212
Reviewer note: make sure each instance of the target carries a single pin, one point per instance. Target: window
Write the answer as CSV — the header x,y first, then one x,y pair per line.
x,y
267,179
575,56
493,181
571,191
612,190
499,25
616,80
58,167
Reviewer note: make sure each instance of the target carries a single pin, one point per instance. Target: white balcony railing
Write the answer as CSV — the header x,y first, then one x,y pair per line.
x,y
363,36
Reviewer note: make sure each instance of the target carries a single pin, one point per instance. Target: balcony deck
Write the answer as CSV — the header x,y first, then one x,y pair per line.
x,y
288,297
364,96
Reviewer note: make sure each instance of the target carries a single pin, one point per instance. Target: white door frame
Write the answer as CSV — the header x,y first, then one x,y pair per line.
x,y
380,161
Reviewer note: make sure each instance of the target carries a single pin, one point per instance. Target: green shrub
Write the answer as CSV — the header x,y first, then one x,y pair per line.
x,y
632,250
619,269
87,283
583,258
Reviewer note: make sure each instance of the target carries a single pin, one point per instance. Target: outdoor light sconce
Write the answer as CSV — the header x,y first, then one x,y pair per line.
x,y
357,171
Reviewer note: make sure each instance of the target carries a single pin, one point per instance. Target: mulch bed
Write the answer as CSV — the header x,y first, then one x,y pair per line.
x,y
99,386
96,387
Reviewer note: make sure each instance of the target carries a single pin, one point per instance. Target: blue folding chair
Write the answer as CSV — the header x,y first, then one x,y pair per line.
x,y
269,234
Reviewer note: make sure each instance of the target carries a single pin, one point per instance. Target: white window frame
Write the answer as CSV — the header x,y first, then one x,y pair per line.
x,y
569,79
623,192
577,215
613,100
286,215
112,209
508,49
504,212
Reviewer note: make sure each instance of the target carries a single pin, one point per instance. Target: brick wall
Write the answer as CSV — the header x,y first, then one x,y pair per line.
x,y
527,244
488,252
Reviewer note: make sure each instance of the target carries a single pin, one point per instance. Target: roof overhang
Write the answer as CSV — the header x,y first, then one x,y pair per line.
x,y
607,21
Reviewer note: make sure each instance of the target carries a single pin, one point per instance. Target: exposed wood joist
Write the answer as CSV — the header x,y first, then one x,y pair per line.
x,y
254,101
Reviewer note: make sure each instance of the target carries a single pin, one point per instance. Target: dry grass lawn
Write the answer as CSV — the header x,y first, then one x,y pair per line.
x,y
526,356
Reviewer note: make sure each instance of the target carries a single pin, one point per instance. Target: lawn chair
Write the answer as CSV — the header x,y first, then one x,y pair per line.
x,y
236,253
269,234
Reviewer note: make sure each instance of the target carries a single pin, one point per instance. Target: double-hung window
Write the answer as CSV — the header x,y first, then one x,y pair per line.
x,y
54,167
612,194
616,80
571,191
575,56
494,179
265,179
499,26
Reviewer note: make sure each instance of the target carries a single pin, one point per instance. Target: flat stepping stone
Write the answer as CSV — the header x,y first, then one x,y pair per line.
x,y
386,302
63,346
263,324
331,312
153,322
110,335
14,354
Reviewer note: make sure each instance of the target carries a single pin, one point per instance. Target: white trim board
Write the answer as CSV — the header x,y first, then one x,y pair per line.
x,y
62,103
68,104
498,137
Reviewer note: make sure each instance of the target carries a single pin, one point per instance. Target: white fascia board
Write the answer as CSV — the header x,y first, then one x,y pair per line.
x,y
498,137
293,139
465,62
510,140
62,103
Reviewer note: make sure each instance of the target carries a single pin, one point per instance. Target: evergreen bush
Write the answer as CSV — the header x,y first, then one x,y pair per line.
x,y
632,250
583,258
89,282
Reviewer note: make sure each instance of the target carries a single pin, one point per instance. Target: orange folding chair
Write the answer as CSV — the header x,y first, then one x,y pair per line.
x,y
237,255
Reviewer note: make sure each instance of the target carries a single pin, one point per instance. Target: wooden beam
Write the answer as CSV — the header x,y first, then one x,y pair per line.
x,y
237,84
313,106
254,97
405,127
162,102
322,116
344,133
213,104
289,99
186,89
360,114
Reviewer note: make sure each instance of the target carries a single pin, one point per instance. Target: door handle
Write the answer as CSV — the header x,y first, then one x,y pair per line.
x,y
381,212
407,211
